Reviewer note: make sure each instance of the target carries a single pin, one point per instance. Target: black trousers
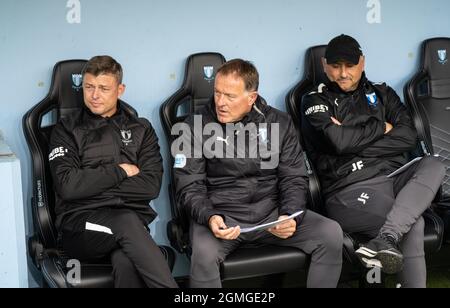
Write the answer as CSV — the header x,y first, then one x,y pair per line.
x,y
119,233
395,206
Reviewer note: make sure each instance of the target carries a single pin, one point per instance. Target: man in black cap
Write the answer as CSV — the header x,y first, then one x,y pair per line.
x,y
358,134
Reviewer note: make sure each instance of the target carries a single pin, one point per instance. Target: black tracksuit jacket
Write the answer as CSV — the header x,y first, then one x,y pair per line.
x,y
358,150
86,151
239,187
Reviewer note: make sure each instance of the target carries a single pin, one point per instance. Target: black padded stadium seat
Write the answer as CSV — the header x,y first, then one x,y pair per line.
x,y
245,262
65,96
313,77
428,96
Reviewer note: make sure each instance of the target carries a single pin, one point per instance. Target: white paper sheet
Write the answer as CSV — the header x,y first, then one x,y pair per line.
x,y
404,167
270,224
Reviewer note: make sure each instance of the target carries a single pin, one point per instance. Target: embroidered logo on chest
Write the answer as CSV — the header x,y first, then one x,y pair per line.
x,y
372,100
126,136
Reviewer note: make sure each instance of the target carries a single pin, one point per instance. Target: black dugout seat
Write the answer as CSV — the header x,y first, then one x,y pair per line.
x,y
313,76
64,97
427,94
245,262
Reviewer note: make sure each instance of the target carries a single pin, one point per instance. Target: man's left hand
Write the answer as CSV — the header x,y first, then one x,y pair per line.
x,y
389,127
284,230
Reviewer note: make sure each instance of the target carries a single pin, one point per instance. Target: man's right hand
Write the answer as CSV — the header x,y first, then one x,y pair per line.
x,y
221,231
131,170
389,127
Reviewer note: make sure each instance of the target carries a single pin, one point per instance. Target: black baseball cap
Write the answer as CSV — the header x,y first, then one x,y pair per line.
x,y
343,48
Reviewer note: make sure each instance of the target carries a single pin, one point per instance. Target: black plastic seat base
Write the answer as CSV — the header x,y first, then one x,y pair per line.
x,y
60,272
266,260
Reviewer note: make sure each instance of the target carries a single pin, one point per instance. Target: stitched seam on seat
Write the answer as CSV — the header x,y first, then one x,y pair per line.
x,y
437,226
218,277
438,229
326,263
49,278
60,272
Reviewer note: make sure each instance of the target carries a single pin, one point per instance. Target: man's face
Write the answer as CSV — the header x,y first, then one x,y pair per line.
x,y
232,100
346,75
101,93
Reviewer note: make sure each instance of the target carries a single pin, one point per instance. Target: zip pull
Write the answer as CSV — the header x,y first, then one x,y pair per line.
x,y
424,148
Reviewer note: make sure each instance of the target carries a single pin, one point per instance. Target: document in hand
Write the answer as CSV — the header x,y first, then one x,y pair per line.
x,y
270,224
404,167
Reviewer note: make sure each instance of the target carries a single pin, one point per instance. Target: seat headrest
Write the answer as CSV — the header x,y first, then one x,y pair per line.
x,y
200,74
435,58
66,88
436,62
313,65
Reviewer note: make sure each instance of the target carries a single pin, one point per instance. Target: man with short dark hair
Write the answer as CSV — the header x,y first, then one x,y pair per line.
x,y
234,182
358,133
106,168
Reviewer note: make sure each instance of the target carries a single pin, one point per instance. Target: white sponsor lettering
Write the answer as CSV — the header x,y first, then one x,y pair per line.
x,y
364,198
57,152
316,109
358,166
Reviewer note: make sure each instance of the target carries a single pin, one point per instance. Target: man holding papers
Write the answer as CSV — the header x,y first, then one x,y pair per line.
x,y
240,165
269,225
358,133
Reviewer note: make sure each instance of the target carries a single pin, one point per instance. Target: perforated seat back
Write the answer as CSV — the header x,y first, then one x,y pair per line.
x,y
436,54
313,77
194,94
428,93
315,71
